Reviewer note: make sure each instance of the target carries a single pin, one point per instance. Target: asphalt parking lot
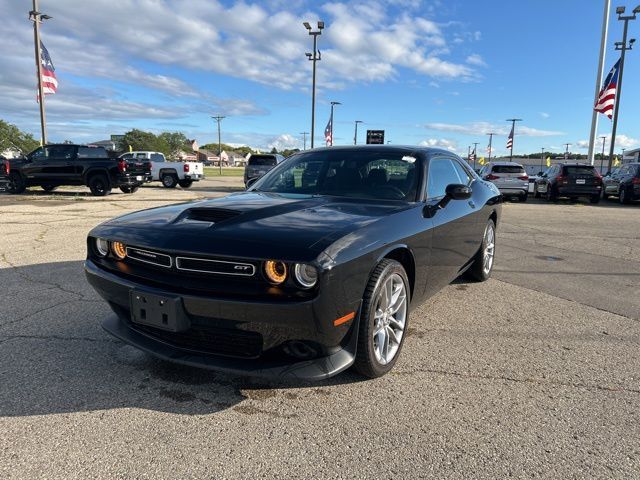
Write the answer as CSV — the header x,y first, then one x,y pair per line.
x,y
535,373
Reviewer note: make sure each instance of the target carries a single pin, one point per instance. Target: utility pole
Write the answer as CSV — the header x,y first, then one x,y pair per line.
x,y
475,154
623,47
218,118
513,129
37,17
603,48
355,135
468,153
604,139
491,134
542,160
566,152
332,105
304,139
314,57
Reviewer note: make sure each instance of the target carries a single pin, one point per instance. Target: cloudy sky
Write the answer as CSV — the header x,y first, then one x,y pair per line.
x,y
429,72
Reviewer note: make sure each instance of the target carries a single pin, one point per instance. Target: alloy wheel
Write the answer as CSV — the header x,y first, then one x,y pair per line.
x,y
489,249
390,319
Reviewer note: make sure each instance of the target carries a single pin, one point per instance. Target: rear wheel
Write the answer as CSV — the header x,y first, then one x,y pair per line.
x,y
16,183
551,196
49,188
99,185
169,180
483,261
595,198
524,196
384,318
624,196
536,193
127,189
605,195
185,183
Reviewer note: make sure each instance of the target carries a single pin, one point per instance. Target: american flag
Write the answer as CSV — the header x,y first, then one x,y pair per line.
x,y
472,156
607,95
49,80
510,139
328,132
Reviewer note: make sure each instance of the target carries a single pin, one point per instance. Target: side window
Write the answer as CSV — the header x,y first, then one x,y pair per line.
x,y
127,156
157,157
84,152
141,156
464,175
64,152
39,154
442,172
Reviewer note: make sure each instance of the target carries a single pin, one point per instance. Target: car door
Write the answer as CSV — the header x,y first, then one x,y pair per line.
x,y
60,164
453,226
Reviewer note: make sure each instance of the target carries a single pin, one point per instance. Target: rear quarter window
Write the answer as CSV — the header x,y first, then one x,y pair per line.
x,y
261,160
92,152
507,169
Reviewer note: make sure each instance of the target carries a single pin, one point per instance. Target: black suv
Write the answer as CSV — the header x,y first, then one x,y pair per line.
x,y
65,164
571,180
624,183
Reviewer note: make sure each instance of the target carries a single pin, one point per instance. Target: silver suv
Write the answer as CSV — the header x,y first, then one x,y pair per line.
x,y
510,178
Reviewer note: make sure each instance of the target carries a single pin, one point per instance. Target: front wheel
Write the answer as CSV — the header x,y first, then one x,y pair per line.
x,y
595,198
483,261
384,318
536,193
127,189
551,197
623,197
185,183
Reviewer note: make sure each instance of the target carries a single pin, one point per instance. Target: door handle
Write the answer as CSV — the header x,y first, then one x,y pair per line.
x,y
471,204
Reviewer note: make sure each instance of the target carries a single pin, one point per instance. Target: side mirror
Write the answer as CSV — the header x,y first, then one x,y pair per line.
x,y
250,182
454,191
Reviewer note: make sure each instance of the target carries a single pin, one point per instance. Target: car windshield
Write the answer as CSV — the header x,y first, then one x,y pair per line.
x,y
262,160
508,169
579,170
386,175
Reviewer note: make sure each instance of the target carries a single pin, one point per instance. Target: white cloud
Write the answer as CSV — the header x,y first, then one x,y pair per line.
x,y
622,141
476,60
544,115
440,143
482,128
284,141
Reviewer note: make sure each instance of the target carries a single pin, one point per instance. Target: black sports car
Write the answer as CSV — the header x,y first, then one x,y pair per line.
x,y
310,271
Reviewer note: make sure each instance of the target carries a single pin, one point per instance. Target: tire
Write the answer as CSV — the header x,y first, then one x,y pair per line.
x,y
536,193
594,199
551,197
185,183
523,198
16,183
479,270
169,180
49,188
99,185
605,195
371,360
624,196
127,189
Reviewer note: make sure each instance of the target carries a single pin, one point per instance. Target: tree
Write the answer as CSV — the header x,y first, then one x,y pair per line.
x,y
139,140
175,141
11,137
274,150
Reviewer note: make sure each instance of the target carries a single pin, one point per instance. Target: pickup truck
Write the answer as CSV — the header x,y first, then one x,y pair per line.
x,y
170,174
65,164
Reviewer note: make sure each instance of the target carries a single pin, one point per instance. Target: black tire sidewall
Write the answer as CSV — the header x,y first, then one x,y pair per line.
x,y
366,362
94,184
171,176
16,183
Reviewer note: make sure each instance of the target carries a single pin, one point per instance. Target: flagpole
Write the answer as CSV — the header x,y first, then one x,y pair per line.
x,y
513,136
603,49
491,134
35,17
475,154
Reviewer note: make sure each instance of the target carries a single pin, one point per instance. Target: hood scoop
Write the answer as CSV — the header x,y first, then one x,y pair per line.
x,y
209,215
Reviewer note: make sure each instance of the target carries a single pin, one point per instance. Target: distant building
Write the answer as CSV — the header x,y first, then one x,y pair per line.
x,y
208,157
631,156
233,159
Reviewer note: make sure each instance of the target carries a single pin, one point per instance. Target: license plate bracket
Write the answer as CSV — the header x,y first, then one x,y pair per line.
x,y
159,311
580,181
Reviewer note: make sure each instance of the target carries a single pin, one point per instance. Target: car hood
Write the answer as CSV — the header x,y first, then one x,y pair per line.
x,y
249,224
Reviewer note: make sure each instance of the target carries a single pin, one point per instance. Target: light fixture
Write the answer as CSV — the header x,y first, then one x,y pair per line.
x,y
619,10
306,25
320,25
119,250
102,247
276,271
306,275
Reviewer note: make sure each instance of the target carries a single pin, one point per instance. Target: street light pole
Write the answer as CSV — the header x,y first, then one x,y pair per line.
x,y
491,134
332,105
314,57
604,139
542,159
475,154
218,118
36,17
566,152
355,135
304,139
623,47
513,129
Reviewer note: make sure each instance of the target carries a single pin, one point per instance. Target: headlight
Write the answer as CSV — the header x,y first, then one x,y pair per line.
x,y
275,271
102,247
306,275
119,250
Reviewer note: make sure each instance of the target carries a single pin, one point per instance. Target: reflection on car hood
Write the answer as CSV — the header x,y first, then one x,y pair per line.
x,y
250,224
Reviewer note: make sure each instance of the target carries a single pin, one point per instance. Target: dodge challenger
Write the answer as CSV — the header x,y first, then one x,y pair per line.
x,y
312,270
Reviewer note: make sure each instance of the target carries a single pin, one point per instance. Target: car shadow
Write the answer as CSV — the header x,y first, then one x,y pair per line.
x,y
55,357
610,203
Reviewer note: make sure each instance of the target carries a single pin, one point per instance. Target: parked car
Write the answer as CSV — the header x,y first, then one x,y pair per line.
x,y
259,164
298,278
171,174
510,178
571,180
624,182
66,164
4,174
532,181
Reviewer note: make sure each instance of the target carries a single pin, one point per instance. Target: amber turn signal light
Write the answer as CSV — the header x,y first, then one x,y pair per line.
x,y
276,271
119,250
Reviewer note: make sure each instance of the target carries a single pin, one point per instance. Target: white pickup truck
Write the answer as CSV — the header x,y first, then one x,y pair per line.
x,y
169,173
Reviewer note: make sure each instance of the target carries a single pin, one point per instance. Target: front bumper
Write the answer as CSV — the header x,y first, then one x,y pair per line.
x,y
294,342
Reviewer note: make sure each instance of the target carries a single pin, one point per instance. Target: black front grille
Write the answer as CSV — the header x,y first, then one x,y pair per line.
x,y
213,215
215,266
147,256
209,340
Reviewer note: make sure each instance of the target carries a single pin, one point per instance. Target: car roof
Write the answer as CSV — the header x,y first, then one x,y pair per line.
x,y
406,148
505,163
